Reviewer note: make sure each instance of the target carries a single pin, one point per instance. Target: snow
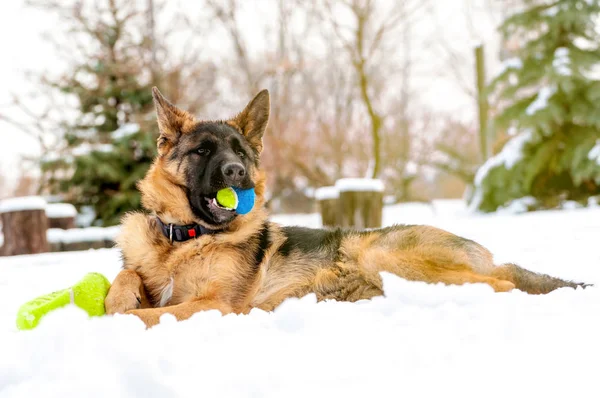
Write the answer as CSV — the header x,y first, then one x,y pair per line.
x,y
520,205
570,205
86,216
125,130
22,203
551,11
541,101
594,154
419,341
90,234
53,157
86,149
60,210
510,154
359,185
562,62
311,220
511,63
325,193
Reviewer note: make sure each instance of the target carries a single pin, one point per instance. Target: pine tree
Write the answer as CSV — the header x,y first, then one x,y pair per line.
x,y
549,97
110,142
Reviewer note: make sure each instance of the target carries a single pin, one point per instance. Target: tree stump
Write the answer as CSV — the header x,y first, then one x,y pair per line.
x,y
329,206
360,202
61,215
24,225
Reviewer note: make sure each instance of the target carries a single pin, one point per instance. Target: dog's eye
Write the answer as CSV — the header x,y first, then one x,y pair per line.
x,y
204,152
241,154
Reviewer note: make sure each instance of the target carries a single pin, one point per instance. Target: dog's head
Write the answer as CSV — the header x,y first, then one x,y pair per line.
x,y
198,158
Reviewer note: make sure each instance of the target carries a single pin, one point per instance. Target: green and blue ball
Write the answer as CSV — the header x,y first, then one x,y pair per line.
x,y
240,200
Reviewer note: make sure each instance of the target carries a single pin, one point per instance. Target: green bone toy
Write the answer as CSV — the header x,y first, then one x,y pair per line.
x,y
88,294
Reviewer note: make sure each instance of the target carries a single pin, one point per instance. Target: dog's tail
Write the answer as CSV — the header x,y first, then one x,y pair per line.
x,y
532,282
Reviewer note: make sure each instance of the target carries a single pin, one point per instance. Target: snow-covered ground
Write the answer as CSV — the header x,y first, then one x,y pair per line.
x,y
419,341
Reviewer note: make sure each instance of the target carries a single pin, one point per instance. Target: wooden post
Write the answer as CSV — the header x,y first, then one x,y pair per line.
x,y
482,102
361,202
24,225
61,215
329,206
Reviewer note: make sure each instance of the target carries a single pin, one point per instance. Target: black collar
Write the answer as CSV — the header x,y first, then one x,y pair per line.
x,y
182,233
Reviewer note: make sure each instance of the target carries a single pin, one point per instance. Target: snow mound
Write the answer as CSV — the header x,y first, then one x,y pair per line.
x,y
384,347
359,185
60,210
420,340
22,203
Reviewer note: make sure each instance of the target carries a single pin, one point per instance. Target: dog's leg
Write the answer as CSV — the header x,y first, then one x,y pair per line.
x,y
345,284
461,277
126,293
417,267
151,316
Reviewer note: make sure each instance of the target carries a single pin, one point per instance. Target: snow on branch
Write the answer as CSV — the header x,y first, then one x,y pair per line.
x,y
541,101
562,62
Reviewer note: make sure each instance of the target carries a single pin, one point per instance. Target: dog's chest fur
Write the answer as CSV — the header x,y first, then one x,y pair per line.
x,y
175,273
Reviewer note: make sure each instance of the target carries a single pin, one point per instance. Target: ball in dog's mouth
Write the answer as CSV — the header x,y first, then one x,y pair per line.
x,y
219,212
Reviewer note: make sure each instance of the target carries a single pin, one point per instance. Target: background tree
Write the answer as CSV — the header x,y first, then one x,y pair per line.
x,y
108,139
365,39
549,98
335,70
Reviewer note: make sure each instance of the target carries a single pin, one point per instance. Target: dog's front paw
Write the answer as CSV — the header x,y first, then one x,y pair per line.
x,y
121,302
150,316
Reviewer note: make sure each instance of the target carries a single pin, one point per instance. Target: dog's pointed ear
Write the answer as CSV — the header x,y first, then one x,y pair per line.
x,y
171,120
253,120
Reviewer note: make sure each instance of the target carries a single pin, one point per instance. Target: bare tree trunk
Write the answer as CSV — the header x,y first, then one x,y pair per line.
x,y
363,79
482,103
152,36
406,180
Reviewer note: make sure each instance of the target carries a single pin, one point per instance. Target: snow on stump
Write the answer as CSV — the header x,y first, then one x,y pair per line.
x,y
329,206
360,202
61,215
24,225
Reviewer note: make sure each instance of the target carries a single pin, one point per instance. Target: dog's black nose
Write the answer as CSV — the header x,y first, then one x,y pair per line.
x,y
233,172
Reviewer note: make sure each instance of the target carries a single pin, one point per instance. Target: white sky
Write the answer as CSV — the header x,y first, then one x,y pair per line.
x,y
23,48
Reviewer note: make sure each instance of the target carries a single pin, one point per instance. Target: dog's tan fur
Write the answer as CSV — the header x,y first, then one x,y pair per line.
x,y
218,271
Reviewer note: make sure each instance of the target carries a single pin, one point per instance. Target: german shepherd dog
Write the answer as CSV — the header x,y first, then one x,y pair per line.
x,y
189,254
